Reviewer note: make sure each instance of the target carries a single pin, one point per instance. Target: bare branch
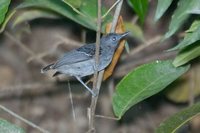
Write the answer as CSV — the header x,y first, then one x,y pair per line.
x,y
95,88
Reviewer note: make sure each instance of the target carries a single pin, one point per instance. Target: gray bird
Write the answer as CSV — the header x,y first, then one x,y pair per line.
x,y
80,62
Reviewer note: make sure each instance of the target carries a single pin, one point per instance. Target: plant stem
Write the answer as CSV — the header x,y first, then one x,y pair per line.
x,y
98,77
95,88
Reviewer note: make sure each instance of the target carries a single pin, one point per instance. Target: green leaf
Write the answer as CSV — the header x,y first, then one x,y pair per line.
x,y
193,35
144,82
187,54
3,26
162,6
33,13
67,11
181,14
135,30
4,4
74,3
176,121
193,27
140,7
195,11
6,127
88,8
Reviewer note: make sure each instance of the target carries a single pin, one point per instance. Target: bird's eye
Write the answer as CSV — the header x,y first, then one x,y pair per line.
x,y
113,38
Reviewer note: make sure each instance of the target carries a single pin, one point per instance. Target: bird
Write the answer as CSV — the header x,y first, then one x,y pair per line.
x,y
80,62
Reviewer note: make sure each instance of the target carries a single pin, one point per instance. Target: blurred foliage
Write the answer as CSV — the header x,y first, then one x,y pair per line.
x,y
173,123
192,35
33,13
184,9
4,4
82,12
182,90
135,30
163,5
187,54
7,127
140,7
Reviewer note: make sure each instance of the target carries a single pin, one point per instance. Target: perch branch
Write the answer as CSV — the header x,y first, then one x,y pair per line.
x,y
95,88
98,80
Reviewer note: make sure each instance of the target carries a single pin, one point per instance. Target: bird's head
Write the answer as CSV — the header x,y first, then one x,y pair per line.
x,y
112,39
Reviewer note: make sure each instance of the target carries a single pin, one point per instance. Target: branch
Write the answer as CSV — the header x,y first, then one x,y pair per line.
x,y
98,77
94,99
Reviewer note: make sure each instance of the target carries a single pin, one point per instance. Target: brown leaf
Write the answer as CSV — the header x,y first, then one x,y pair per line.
x,y
119,29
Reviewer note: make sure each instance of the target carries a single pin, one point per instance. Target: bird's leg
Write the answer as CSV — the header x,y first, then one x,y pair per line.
x,y
79,79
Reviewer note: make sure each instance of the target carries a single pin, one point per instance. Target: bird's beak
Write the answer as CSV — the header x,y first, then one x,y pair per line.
x,y
124,34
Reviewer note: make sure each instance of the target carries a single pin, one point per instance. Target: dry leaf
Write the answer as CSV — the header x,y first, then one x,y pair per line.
x,y
119,29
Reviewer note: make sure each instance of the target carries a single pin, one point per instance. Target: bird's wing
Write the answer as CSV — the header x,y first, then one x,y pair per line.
x,y
83,53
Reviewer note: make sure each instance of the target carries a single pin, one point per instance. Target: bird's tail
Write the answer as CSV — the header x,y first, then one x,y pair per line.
x,y
47,68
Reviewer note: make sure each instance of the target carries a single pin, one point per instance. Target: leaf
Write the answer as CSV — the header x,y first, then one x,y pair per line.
x,y
119,29
144,82
33,13
6,127
3,26
180,91
193,27
187,54
192,36
194,11
140,7
176,121
162,6
4,4
74,3
65,10
181,14
135,30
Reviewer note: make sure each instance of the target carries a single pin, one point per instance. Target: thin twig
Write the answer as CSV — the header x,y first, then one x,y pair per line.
x,y
107,117
23,119
73,8
34,89
116,16
95,89
110,9
69,41
143,46
72,103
